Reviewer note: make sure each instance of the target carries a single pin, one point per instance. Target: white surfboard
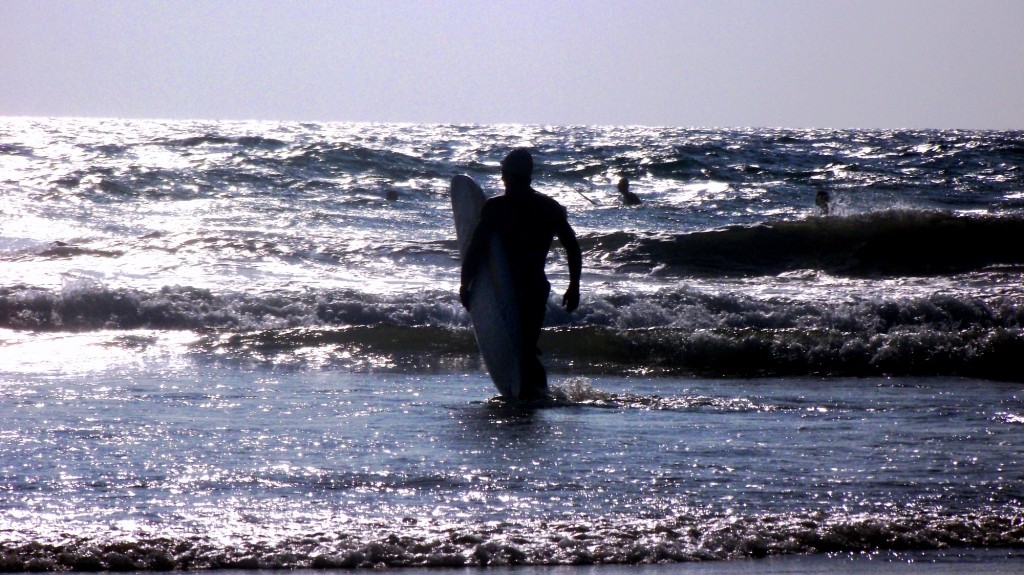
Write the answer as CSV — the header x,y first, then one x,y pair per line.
x,y
492,304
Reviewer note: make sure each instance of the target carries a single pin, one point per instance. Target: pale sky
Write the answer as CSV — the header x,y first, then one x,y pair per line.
x,y
687,63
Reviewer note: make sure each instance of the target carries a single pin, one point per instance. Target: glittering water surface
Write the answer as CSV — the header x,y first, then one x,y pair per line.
x,y
239,345
217,465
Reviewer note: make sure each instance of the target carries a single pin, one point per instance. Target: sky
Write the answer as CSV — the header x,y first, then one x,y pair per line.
x,y
687,63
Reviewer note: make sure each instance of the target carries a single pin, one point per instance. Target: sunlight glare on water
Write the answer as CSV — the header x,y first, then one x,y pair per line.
x,y
239,345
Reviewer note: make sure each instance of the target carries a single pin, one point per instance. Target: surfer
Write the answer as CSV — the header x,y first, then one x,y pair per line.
x,y
823,201
527,222
628,197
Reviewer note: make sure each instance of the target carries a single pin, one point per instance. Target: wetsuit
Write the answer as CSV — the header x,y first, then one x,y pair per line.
x,y
527,222
630,199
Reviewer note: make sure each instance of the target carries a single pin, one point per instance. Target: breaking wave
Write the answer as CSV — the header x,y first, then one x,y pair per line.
x,y
582,541
682,331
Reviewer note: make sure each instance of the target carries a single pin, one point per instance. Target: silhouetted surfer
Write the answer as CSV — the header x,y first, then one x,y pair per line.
x,y
527,222
628,197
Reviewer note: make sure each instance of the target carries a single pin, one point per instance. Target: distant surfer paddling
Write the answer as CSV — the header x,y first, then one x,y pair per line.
x,y
526,222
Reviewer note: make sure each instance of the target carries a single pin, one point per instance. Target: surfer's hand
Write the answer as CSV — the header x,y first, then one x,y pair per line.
x,y
464,295
571,299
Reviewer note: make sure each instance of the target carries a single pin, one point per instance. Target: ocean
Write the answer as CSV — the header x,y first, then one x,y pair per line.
x,y
239,345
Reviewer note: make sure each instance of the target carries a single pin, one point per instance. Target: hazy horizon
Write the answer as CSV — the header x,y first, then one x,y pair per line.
x,y
871,64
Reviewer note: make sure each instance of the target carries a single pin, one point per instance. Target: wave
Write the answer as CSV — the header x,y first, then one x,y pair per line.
x,y
580,541
86,305
987,354
675,332
259,167
218,140
886,243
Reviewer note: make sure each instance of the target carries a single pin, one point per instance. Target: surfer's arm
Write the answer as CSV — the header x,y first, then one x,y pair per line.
x,y
571,299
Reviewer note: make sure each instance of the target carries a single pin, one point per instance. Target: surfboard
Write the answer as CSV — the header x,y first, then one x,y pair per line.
x,y
492,305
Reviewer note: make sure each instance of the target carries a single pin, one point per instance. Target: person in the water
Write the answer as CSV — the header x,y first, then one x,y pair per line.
x,y
527,222
628,197
823,201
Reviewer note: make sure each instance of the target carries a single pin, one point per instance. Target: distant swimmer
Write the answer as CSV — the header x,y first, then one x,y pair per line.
x,y
526,221
822,200
628,197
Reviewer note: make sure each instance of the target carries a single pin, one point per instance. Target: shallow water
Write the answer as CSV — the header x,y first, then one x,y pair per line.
x,y
218,466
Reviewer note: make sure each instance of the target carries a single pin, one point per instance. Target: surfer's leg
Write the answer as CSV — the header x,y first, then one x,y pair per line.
x,y
531,315
535,378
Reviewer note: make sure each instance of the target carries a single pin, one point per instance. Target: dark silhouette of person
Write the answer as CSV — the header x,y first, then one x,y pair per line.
x,y
526,221
628,197
822,200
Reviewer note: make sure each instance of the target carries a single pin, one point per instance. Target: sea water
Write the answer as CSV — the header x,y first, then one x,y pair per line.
x,y
239,345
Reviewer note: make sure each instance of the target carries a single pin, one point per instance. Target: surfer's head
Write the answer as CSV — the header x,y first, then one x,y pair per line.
x,y
517,167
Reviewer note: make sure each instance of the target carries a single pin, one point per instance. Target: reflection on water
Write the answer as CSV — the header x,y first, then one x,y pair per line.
x,y
252,462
